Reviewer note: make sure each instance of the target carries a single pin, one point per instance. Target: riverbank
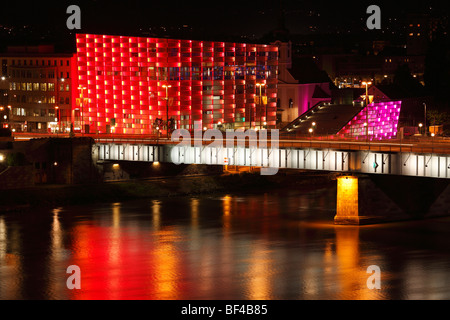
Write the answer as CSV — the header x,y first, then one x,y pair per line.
x,y
48,196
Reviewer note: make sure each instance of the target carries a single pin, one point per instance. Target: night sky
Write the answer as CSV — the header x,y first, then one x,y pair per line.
x,y
46,20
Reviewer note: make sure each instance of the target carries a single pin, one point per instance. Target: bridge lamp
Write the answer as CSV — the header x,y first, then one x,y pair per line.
x,y
310,130
167,106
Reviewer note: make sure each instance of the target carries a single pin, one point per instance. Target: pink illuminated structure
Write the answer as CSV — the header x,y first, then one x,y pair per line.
x,y
382,121
131,83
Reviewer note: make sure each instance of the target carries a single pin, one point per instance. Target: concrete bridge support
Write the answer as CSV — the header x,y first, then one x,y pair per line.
x,y
366,199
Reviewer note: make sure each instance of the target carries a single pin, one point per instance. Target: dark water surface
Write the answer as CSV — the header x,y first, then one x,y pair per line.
x,y
277,245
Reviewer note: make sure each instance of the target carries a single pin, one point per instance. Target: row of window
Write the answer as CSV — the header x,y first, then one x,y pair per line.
x,y
40,99
37,86
208,73
37,74
38,62
39,112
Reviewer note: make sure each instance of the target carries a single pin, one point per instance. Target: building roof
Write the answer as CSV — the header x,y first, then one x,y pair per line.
x,y
396,92
305,70
319,93
329,119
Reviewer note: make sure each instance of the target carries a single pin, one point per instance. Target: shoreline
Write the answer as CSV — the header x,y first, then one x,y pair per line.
x,y
50,196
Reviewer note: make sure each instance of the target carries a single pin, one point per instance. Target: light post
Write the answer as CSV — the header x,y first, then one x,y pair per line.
x,y
167,107
57,119
425,118
420,127
9,118
367,111
432,141
82,107
260,85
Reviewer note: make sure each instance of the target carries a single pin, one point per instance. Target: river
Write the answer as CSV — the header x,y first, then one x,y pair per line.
x,y
276,245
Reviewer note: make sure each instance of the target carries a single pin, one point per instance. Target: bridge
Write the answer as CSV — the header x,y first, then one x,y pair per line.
x,y
382,179
359,199
423,158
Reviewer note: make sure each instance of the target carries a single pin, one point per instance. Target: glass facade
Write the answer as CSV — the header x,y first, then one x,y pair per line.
x,y
382,119
129,83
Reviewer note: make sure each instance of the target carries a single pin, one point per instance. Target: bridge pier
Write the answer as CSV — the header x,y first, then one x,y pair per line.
x,y
360,200
347,205
366,199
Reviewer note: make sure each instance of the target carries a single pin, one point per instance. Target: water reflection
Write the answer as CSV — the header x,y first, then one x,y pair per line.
x,y
266,246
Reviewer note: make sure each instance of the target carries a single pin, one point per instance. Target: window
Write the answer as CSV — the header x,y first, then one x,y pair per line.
x,y
68,76
18,111
51,87
35,86
61,100
51,99
43,87
67,100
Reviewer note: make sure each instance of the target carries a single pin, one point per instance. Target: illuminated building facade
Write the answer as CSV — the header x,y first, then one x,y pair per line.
x,y
129,83
37,86
382,118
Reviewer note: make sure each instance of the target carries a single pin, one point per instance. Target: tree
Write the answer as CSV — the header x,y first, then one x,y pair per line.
x,y
404,79
437,118
437,67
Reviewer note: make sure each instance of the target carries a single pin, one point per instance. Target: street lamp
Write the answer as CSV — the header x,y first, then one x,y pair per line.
x,y
260,85
167,106
420,126
425,118
367,111
82,107
57,119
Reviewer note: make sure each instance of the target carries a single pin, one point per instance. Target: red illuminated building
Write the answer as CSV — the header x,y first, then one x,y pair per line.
x,y
128,83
